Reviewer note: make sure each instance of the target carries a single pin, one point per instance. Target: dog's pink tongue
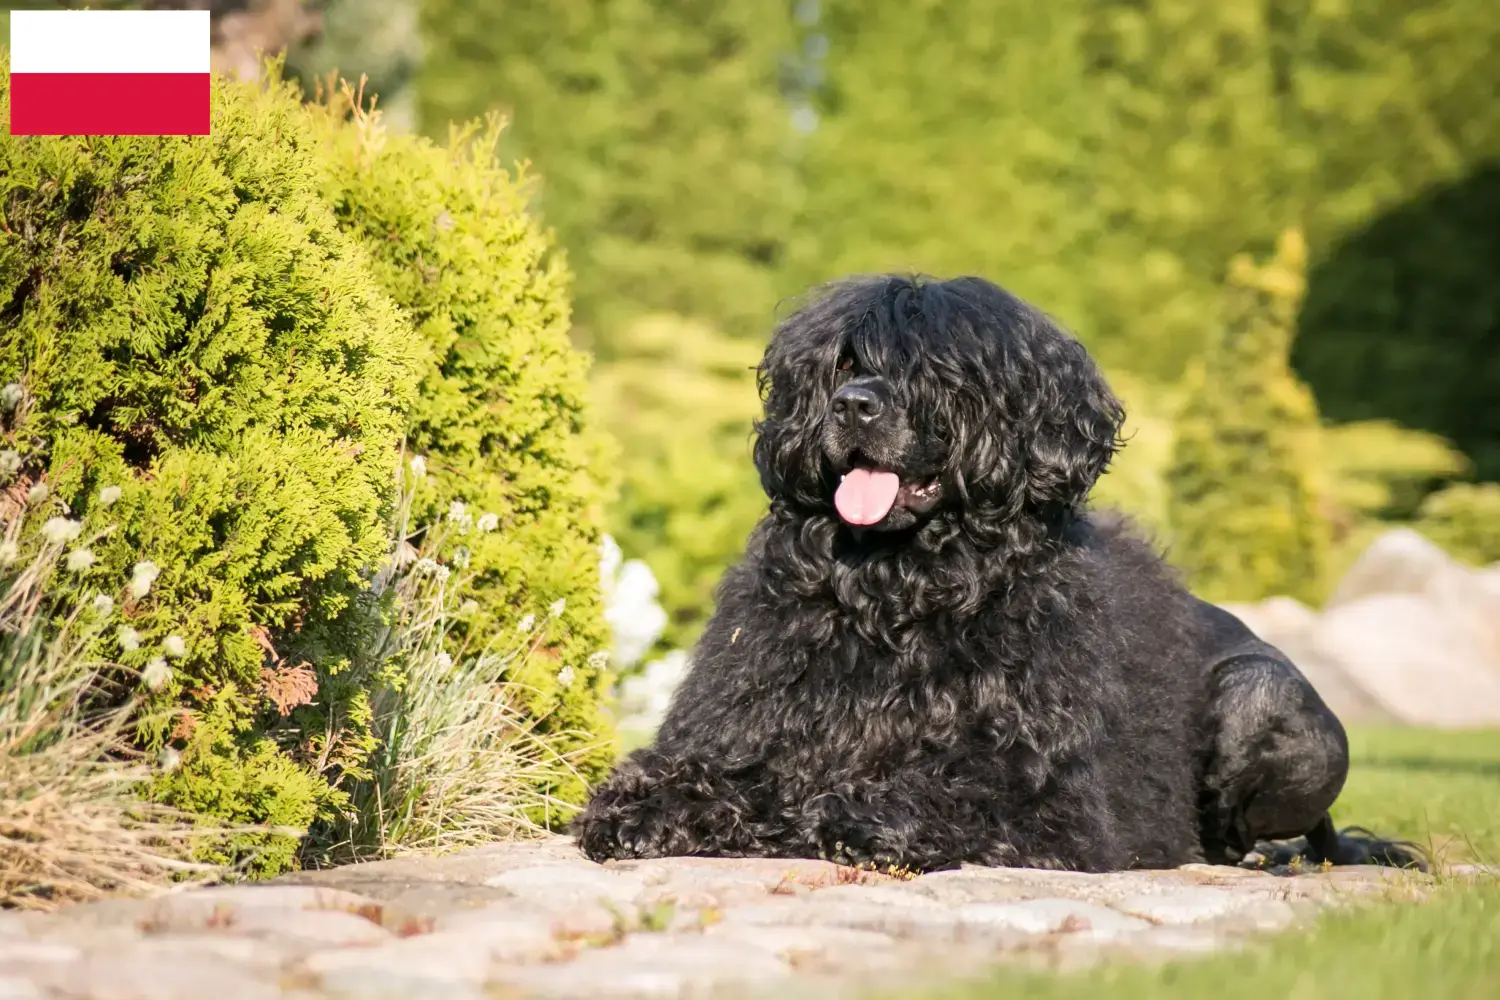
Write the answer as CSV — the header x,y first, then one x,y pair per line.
x,y
865,495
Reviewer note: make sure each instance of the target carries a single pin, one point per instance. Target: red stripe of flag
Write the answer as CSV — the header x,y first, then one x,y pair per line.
x,y
109,103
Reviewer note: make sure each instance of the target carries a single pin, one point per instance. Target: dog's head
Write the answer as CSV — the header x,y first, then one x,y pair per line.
x,y
892,400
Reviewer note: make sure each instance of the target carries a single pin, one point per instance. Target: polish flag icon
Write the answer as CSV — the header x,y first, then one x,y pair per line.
x,y
109,72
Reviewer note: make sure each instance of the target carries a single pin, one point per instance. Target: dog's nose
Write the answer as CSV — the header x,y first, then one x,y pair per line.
x,y
856,405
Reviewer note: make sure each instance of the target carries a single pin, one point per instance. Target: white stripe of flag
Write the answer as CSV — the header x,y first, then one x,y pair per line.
x,y
109,72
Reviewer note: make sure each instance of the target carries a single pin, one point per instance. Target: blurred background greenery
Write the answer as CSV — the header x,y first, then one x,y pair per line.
x,y
1275,222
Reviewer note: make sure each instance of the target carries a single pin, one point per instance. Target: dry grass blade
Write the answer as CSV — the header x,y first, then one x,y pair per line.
x,y
459,761
72,826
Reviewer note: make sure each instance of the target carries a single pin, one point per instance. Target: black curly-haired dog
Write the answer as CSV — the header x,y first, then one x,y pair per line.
x,y
933,653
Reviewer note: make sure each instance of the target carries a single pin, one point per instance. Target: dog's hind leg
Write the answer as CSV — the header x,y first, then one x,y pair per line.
x,y
1276,761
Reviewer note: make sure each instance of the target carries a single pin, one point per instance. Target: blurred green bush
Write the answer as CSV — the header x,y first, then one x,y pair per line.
x,y
660,132
218,346
1247,519
681,398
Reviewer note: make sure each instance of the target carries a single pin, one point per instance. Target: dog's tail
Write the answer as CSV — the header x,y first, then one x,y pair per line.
x,y
1354,845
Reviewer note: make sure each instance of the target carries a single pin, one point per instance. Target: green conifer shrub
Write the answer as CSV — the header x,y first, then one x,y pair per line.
x,y
214,382
222,348
1464,519
501,421
681,398
1246,511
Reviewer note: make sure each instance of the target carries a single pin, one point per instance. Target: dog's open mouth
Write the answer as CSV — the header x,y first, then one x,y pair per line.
x,y
866,495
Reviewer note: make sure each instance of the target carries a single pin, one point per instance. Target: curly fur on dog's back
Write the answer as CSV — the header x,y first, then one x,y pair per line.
x,y
988,674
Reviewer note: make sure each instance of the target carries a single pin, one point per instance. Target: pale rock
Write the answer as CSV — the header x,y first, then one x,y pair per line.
x,y
1400,561
1275,619
1046,916
824,946
436,958
23,952
359,983
650,965
1184,906
1412,657
147,977
502,934
309,928
555,884
16,988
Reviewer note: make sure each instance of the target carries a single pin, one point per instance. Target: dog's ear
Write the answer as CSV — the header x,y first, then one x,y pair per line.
x,y
1073,423
786,449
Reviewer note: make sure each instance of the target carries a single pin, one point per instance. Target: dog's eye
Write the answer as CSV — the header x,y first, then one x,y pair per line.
x,y
845,371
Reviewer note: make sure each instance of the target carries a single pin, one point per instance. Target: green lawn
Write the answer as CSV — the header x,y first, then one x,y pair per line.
x,y
1430,787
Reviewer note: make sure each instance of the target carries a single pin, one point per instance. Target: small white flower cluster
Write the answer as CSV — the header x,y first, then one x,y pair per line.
x,y
142,576
463,519
635,619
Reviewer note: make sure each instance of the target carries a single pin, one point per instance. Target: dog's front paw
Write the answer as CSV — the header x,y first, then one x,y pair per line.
x,y
618,826
856,834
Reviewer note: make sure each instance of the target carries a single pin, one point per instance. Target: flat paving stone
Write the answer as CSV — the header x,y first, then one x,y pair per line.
x,y
536,919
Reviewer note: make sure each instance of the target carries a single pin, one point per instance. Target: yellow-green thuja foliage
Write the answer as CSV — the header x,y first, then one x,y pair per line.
x,y
500,421
681,398
223,347
1246,504
215,383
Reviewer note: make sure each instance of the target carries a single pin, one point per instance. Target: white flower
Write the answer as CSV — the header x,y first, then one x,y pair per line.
x,y
80,560
61,530
444,660
104,604
426,564
109,495
461,558
157,674
456,511
37,493
8,553
442,573
419,466
10,396
488,522
634,617
526,624
10,463
142,576
557,607
565,676
168,759
468,607
599,660
128,638
174,647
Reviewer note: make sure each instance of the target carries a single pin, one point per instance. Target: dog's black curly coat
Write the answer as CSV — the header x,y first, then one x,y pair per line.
x,y
988,673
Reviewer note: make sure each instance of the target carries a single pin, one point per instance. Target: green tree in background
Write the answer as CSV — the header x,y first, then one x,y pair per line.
x,y
1246,500
954,138
1402,320
660,134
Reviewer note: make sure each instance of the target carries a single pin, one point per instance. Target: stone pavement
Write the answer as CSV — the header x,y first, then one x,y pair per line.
x,y
536,919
